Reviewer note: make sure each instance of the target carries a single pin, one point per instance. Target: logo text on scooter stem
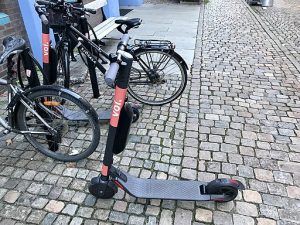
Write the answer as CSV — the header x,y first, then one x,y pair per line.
x,y
116,108
118,103
45,44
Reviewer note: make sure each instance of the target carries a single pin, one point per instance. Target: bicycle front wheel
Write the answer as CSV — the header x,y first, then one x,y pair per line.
x,y
72,131
157,77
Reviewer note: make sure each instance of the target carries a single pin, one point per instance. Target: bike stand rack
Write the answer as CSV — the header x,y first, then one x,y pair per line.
x,y
79,116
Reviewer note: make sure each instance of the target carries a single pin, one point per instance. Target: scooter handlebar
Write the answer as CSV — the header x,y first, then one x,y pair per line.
x,y
111,74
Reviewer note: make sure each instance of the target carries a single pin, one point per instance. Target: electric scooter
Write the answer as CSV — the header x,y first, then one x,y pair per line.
x,y
111,178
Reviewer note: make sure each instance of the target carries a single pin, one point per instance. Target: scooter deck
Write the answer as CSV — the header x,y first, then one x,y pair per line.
x,y
165,189
80,116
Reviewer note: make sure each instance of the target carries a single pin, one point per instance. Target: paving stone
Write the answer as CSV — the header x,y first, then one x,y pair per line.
x,y
54,206
293,192
220,218
183,217
120,206
152,210
8,222
76,221
118,217
61,220
252,196
292,216
36,216
70,209
242,220
85,212
264,221
151,220
39,203
135,208
49,219
283,177
90,222
101,214
166,217
227,206
136,220
203,215
263,175
268,211
246,209
11,196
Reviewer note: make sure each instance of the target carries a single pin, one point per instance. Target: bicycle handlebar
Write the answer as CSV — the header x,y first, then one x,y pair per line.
x,y
65,5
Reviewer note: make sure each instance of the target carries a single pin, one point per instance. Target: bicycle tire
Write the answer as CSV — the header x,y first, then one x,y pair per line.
x,y
137,94
91,132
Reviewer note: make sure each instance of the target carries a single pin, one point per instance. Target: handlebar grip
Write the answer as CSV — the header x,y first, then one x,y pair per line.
x,y
44,19
92,11
111,74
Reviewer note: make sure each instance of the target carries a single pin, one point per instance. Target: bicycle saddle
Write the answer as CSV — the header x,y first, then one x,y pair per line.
x,y
10,45
130,22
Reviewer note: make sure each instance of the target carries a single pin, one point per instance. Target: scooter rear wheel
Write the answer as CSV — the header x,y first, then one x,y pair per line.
x,y
226,187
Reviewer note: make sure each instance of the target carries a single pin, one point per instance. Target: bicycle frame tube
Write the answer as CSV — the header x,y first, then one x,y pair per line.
x,y
89,42
85,47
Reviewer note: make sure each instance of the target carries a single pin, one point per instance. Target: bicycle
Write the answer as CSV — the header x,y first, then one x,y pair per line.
x,y
56,121
158,75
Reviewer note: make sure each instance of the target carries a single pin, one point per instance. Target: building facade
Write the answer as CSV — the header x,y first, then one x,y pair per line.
x,y
14,27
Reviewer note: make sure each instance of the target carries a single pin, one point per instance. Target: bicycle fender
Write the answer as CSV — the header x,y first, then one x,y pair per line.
x,y
179,58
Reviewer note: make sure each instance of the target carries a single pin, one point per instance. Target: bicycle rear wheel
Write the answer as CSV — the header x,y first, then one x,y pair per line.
x,y
73,119
157,77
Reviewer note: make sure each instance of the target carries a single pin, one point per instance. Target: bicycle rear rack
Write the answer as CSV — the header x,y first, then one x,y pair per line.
x,y
156,44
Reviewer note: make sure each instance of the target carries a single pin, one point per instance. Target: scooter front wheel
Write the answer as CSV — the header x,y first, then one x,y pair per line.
x,y
102,189
226,187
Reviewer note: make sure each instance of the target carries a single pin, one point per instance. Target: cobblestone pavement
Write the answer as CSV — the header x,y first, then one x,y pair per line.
x,y
247,93
283,19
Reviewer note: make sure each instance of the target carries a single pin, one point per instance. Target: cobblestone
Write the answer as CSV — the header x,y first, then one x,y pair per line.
x,y
238,118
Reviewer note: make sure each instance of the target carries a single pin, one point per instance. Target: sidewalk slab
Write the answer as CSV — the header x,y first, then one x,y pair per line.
x,y
174,22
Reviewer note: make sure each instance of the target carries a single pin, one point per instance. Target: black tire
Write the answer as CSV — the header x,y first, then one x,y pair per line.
x,y
154,91
75,138
226,187
63,68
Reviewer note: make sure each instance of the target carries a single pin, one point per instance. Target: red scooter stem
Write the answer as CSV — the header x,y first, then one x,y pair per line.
x,y
46,52
118,104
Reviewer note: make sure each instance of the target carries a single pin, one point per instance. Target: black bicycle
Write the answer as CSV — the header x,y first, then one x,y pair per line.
x,y
158,74
54,120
